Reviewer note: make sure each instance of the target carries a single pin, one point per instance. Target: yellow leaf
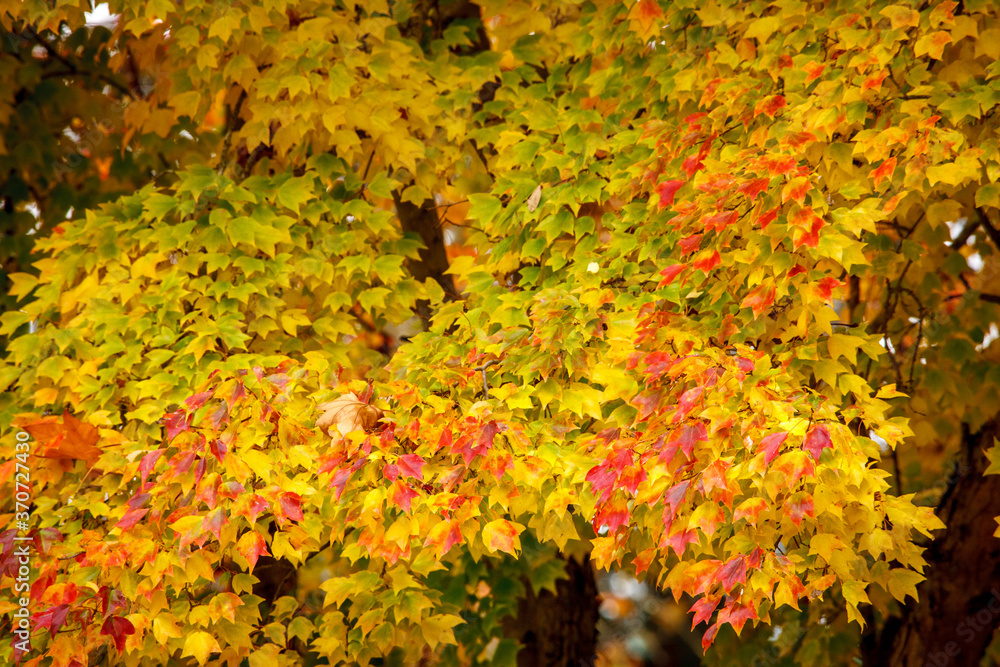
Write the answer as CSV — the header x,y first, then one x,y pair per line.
x,y
165,627
904,582
438,629
199,645
294,318
502,535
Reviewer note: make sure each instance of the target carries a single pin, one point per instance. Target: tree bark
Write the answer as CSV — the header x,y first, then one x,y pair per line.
x,y
559,630
959,607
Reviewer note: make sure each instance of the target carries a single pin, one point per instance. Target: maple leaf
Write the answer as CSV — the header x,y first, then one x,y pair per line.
x,y
670,273
817,440
52,618
708,261
883,171
770,106
131,518
770,444
798,508
411,465
750,509
444,535
177,422
736,614
290,505
252,546
675,496
692,164
813,70
689,436
347,413
613,514
759,299
678,541
402,494
733,572
502,535
148,461
667,190
214,522
647,13
703,609
70,440
118,627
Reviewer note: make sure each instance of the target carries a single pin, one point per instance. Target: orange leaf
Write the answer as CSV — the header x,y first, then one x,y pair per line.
x,y
71,440
502,535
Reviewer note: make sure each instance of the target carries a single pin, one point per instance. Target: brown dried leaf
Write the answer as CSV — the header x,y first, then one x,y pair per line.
x,y
347,413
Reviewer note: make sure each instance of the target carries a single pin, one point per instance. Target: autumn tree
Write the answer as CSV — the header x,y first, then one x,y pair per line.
x,y
704,291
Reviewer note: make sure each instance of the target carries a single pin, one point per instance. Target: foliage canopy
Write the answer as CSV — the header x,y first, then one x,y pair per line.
x,y
701,249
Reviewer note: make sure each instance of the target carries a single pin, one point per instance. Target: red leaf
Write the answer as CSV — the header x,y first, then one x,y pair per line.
x,y
808,237
218,449
733,572
602,478
147,463
708,261
631,478
779,165
719,221
687,402
667,190
826,286
769,106
255,506
214,522
770,445
813,70
613,514
714,476
883,171
799,508
487,433
703,608
736,614
402,494
759,299
131,518
817,440
689,436
709,636
767,218
411,465
670,273
675,496
390,471
119,628
252,546
690,243
291,505
692,164
198,400
52,618
679,541
177,422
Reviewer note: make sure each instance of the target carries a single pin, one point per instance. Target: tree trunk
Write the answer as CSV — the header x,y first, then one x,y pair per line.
x,y
959,607
559,630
